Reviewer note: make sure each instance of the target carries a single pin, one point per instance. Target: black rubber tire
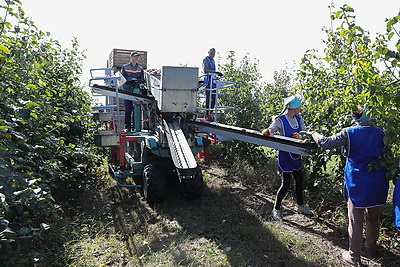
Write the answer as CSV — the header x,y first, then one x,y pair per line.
x,y
154,184
193,189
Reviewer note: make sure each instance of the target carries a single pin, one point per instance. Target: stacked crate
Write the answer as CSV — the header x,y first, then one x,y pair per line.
x,y
119,57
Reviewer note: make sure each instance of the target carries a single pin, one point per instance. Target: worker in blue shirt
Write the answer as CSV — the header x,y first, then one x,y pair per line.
x,y
134,75
365,186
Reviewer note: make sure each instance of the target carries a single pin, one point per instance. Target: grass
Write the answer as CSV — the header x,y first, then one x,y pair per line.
x,y
229,226
210,232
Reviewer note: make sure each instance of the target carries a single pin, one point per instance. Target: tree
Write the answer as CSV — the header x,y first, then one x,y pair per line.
x,y
354,70
45,128
247,98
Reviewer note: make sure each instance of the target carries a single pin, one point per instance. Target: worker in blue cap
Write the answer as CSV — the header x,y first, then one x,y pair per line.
x,y
289,123
365,183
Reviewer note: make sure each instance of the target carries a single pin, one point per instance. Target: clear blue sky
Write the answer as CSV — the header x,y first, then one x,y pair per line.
x,y
178,32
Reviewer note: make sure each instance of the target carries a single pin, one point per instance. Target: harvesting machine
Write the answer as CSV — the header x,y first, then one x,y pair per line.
x,y
169,130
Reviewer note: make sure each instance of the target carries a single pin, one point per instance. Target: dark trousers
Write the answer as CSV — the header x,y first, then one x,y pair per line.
x,y
286,177
210,98
129,117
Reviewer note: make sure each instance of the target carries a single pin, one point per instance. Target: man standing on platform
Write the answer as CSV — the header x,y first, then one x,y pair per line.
x,y
134,75
208,68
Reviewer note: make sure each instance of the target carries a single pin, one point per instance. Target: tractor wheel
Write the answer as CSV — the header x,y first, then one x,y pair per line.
x,y
154,184
193,189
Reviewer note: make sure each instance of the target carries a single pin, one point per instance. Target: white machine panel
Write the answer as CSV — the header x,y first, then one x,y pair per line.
x,y
178,92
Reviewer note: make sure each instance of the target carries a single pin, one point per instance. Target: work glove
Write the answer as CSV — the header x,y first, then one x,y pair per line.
x,y
266,132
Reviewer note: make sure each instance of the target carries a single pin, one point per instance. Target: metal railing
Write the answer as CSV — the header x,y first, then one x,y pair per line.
x,y
214,87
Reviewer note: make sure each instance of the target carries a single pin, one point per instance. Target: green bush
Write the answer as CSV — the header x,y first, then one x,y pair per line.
x,y
45,129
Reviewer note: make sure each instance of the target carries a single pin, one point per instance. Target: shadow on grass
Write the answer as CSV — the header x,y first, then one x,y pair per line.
x,y
229,219
221,217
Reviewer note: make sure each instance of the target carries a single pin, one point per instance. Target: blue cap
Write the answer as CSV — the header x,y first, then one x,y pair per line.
x,y
292,102
364,117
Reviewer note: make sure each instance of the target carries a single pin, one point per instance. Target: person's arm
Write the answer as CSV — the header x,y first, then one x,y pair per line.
x,y
275,126
206,66
334,141
123,72
141,76
302,124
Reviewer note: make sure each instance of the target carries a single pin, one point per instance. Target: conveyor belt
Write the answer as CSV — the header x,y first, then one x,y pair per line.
x,y
109,91
277,142
181,153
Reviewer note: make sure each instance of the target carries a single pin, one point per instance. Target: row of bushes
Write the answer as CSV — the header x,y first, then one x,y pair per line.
x,y
45,131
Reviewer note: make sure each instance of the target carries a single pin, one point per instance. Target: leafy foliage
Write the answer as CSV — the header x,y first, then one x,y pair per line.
x,y
255,103
354,70
247,97
45,128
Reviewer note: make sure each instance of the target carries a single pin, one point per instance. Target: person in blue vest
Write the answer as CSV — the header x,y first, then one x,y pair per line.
x,y
365,183
134,75
208,68
289,123
396,203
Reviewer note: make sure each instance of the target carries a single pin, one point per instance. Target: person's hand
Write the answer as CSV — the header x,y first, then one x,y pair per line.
x,y
316,136
308,135
266,132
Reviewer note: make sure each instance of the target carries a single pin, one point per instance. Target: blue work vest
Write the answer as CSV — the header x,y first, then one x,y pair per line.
x,y
365,188
288,162
207,78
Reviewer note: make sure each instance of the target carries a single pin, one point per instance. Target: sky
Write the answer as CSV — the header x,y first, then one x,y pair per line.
x,y
180,32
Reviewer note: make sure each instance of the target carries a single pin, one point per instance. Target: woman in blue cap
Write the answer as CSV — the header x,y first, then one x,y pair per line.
x,y
289,123
365,188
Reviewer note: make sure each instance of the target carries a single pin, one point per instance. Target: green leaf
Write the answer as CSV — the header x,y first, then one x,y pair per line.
x,y
34,115
25,230
3,224
4,49
31,86
31,104
44,226
19,135
390,23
